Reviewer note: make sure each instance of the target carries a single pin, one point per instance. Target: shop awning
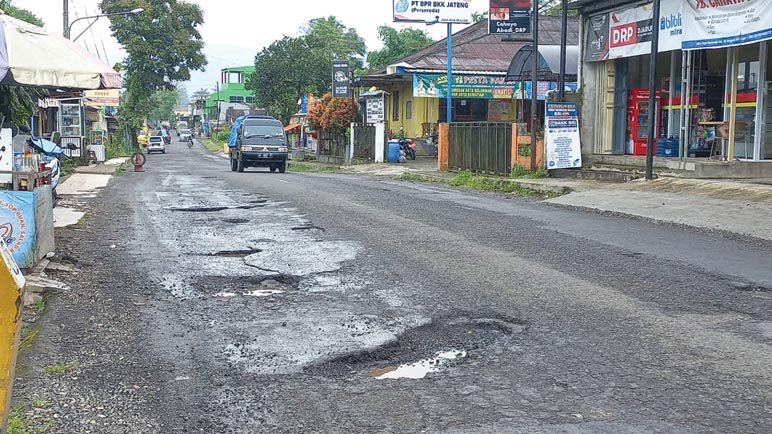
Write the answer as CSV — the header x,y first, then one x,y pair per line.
x,y
291,127
549,63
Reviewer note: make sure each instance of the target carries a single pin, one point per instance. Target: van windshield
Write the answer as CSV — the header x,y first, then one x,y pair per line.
x,y
263,131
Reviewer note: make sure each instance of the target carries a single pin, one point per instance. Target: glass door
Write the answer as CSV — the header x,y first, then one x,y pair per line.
x,y
70,120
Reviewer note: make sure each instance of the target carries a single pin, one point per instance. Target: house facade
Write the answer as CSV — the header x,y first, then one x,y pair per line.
x,y
232,97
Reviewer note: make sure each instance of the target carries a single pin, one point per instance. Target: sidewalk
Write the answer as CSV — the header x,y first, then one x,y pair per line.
x,y
740,207
84,184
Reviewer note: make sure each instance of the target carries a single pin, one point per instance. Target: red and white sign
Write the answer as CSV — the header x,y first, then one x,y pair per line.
x,y
630,32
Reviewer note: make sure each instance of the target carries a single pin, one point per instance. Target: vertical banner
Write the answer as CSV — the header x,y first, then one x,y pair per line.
x,y
564,147
509,17
713,24
597,46
670,25
341,79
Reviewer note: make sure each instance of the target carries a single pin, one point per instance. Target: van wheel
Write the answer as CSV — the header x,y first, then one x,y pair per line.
x,y
283,167
273,168
240,165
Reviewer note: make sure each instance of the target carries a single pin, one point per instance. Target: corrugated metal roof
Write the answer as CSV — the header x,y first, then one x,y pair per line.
x,y
475,51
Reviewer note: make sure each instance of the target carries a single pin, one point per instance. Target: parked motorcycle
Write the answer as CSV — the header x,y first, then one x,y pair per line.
x,y
433,138
408,146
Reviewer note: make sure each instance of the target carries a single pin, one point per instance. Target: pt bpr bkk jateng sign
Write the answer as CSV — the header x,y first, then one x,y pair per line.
x,y
341,79
430,11
509,17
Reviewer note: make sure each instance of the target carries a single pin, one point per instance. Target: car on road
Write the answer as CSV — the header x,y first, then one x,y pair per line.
x,y
156,144
185,134
260,142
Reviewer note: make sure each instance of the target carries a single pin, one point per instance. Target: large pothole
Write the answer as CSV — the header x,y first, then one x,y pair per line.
x,y
427,349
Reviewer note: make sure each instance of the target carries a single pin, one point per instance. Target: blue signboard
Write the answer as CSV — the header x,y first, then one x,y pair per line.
x,y
17,225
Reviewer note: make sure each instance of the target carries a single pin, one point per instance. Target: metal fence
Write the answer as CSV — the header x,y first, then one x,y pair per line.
x,y
333,145
484,147
364,141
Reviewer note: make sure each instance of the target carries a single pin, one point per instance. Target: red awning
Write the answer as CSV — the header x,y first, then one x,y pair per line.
x,y
291,127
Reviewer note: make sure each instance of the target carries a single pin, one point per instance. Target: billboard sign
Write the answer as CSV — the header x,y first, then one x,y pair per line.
x,y
561,132
713,24
597,46
103,98
631,32
509,17
431,11
341,79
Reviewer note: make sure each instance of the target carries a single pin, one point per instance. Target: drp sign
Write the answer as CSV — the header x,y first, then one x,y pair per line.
x,y
623,35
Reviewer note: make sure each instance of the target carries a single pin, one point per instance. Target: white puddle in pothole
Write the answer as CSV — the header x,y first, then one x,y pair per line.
x,y
263,293
303,257
226,294
419,369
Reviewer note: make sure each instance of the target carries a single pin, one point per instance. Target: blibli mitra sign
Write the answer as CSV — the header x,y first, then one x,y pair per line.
x,y
671,27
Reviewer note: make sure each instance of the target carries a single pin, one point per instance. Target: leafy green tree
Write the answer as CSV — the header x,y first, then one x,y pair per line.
x,y
19,13
396,45
479,16
163,45
290,67
163,103
16,103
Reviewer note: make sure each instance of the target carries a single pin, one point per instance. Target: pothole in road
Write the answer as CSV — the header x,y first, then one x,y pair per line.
x,y
235,221
254,286
239,253
204,208
308,228
747,287
304,258
418,352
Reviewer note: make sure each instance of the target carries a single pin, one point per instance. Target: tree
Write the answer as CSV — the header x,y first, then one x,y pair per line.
x,y
331,114
553,8
19,13
479,16
163,103
16,103
396,45
163,45
290,67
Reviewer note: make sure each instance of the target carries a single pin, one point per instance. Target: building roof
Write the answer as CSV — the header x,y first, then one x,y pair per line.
x,y
248,68
521,67
474,50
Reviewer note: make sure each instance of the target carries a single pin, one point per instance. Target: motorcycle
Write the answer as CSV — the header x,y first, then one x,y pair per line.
x,y
190,142
51,153
408,146
433,138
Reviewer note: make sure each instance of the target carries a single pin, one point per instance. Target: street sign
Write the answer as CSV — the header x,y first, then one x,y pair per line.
x,y
564,147
341,79
507,17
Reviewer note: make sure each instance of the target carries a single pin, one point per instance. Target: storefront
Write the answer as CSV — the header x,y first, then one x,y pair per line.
x,y
711,79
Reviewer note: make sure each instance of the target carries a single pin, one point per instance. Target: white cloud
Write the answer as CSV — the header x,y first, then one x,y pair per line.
x,y
234,30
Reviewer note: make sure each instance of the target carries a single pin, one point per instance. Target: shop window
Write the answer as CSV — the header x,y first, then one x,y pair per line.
x,y
395,106
409,110
236,99
234,77
250,100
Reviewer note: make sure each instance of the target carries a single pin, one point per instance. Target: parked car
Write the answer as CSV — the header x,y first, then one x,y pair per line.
x,y
185,134
260,142
156,144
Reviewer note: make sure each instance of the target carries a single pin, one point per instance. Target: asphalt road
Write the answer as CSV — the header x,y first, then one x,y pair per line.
x,y
212,301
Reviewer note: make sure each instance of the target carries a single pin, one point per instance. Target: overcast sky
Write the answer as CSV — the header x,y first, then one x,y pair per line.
x,y
234,30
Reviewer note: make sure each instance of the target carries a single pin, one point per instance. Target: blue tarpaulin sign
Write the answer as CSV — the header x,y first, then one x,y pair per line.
x,y
17,225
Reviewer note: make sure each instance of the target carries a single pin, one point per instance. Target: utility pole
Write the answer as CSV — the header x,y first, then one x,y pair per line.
x,y
217,101
535,84
66,19
450,73
653,96
563,43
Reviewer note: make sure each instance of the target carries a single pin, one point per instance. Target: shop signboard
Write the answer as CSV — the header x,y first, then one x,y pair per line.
x,y
103,98
509,17
464,86
375,110
563,144
432,11
341,79
628,32
714,23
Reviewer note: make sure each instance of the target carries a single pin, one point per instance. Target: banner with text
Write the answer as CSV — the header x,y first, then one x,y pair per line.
x,y
479,86
720,23
509,17
563,144
341,79
430,11
103,98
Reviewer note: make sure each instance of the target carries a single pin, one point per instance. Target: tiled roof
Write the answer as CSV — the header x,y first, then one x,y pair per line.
x,y
475,50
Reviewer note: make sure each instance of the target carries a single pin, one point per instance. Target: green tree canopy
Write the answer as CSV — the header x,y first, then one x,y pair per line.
x,y
396,45
19,13
479,16
292,66
163,45
163,103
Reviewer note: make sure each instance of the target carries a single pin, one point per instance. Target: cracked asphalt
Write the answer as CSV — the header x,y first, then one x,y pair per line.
x,y
207,301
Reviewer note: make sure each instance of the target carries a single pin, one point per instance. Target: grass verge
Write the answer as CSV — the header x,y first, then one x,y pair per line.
x,y
17,424
311,168
467,179
28,338
213,145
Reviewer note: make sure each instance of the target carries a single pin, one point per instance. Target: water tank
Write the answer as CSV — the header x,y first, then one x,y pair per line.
x,y
393,152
